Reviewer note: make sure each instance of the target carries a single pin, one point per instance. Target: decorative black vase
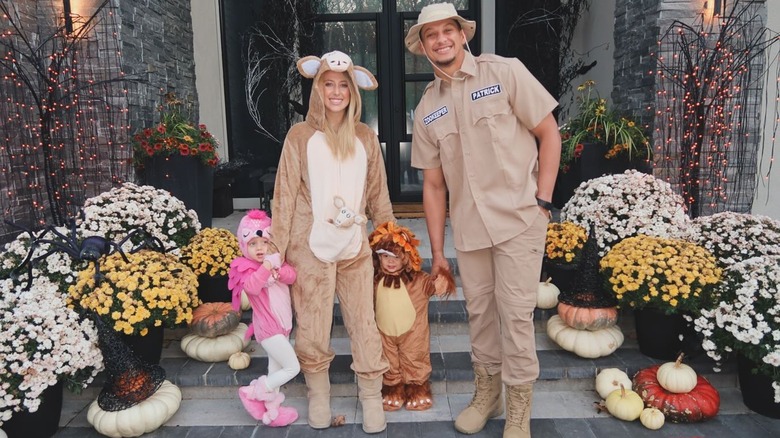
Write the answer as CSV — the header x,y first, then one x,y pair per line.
x,y
658,334
757,391
42,423
187,178
213,289
148,348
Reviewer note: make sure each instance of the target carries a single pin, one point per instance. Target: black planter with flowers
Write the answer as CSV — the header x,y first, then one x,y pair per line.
x,y
592,160
179,156
186,178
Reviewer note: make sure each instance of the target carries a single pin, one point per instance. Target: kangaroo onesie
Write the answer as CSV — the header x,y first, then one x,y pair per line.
x,y
332,257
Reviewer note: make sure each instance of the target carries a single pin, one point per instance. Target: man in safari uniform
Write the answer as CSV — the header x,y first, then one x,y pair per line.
x,y
485,133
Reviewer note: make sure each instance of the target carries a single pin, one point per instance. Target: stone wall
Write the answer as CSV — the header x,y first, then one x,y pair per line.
x,y
157,48
636,36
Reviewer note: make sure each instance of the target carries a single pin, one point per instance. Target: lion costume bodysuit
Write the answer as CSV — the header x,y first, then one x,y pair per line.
x,y
329,259
401,306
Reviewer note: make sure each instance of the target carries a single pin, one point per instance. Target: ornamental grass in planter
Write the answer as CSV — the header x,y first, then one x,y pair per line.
x,y
597,124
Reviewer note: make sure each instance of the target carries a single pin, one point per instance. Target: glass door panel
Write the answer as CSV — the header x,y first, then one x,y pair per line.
x,y
347,6
417,5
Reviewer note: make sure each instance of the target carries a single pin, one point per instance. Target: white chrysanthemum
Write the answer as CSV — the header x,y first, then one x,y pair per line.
x,y
116,213
744,317
41,342
625,205
733,237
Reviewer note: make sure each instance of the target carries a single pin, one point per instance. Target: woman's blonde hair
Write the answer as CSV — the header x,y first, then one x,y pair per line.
x,y
341,140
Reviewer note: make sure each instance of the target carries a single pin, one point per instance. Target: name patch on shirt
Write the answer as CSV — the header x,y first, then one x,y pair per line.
x,y
430,118
487,91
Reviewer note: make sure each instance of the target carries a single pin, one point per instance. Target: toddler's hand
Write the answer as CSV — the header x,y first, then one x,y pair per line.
x,y
440,285
267,265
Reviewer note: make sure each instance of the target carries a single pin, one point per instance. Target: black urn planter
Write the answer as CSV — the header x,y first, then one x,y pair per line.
x,y
757,391
42,423
187,178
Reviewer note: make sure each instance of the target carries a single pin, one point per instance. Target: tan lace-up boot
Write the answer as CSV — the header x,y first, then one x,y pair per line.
x,y
370,395
318,385
485,404
518,411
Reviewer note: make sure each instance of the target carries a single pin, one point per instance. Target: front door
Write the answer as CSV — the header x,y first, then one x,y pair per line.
x,y
372,33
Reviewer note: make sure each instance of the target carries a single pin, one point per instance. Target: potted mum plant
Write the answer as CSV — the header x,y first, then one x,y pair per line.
x,y
742,320
625,205
138,297
562,252
661,279
598,141
178,155
734,237
43,345
209,255
115,213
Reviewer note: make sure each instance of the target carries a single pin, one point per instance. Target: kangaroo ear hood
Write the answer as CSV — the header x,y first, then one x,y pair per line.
x,y
312,67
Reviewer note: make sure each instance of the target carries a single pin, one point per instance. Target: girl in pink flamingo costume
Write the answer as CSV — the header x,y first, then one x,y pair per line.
x,y
265,279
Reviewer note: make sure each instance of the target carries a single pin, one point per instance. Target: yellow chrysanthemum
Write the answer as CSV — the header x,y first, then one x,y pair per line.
x,y
668,274
132,294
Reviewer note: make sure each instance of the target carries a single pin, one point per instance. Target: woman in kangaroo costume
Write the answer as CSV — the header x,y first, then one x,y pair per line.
x,y
331,176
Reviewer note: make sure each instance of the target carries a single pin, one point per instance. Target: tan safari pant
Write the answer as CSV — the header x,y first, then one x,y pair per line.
x,y
500,286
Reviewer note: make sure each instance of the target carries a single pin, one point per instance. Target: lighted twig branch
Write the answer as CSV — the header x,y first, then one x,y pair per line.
x,y
62,118
708,107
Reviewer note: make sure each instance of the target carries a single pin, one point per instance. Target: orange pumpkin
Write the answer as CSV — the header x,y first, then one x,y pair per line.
x,y
584,318
214,319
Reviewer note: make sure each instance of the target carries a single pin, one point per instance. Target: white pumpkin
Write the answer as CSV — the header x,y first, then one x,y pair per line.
x,y
625,404
652,418
610,379
589,344
547,295
239,361
215,349
2,434
245,304
677,377
139,419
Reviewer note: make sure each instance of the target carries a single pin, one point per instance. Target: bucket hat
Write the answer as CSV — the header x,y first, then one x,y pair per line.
x,y
431,14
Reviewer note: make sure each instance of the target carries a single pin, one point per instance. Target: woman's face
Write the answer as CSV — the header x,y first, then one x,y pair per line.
x,y
335,91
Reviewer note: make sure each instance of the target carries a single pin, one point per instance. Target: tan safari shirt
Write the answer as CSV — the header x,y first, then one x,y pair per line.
x,y
477,131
